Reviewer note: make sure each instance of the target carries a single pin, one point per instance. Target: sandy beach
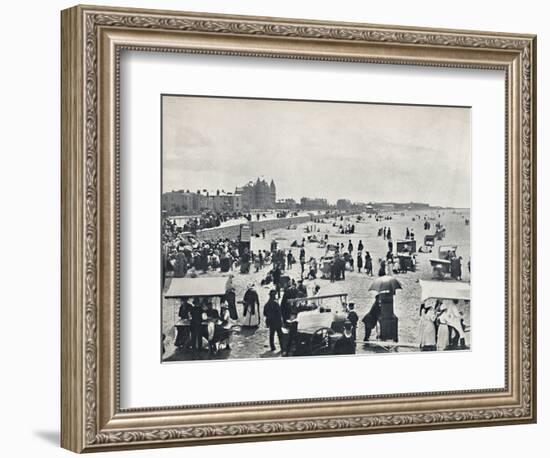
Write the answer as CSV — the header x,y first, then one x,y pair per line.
x,y
406,302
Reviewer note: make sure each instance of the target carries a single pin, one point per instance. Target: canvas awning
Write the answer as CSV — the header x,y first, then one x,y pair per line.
x,y
197,287
444,290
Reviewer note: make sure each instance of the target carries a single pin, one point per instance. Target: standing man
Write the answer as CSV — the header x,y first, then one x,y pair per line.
x,y
368,264
370,320
350,247
196,326
353,318
289,259
277,280
273,320
332,268
302,261
342,268
231,299
286,309
185,308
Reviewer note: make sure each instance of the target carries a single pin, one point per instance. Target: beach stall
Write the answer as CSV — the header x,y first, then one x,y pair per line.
x,y
429,241
441,266
204,290
405,250
430,289
454,297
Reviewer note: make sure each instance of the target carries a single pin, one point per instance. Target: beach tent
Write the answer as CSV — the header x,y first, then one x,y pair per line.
x,y
198,287
444,290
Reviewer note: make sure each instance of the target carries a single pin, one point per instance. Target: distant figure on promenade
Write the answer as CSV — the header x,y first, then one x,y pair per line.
x,y
360,247
359,261
350,247
385,232
388,234
274,320
263,233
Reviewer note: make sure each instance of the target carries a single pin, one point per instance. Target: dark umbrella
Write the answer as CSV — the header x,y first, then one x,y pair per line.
x,y
385,284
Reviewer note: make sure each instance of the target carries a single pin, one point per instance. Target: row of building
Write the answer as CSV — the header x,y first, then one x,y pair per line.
x,y
253,195
260,195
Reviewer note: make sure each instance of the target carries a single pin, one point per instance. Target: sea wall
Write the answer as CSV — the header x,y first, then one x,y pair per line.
x,y
233,231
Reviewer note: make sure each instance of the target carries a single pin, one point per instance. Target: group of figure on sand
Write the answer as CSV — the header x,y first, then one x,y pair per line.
x,y
442,327
279,315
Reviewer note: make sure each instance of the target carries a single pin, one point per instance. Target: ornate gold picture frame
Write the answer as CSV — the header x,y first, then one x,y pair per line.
x,y
92,40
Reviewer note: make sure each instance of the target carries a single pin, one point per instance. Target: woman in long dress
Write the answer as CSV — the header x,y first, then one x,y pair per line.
x,y
426,332
368,263
454,320
251,307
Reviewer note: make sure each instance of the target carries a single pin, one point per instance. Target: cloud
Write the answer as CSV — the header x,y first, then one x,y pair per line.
x,y
333,150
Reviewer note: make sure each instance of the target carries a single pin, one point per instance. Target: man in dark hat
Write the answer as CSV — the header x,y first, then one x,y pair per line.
x,y
302,290
370,320
289,293
277,279
273,320
353,318
196,326
232,303
345,345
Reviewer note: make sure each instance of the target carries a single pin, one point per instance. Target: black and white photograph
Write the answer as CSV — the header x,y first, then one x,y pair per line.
x,y
313,228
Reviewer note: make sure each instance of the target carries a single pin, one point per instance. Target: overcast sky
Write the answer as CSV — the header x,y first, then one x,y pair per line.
x,y
362,152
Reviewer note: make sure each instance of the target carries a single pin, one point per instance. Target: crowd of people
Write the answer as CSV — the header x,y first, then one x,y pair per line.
x,y
201,321
441,326
183,254
205,220
210,219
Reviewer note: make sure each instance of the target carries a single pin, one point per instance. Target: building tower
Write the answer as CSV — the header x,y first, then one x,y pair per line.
x,y
272,193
